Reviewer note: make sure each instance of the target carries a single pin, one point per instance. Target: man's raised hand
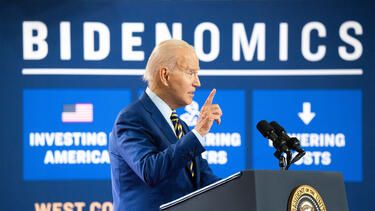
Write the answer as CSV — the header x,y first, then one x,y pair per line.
x,y
209,112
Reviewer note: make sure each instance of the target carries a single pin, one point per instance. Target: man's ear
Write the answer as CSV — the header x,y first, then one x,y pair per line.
x,y
164,76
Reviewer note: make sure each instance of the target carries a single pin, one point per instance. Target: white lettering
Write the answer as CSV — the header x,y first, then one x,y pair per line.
x,y
162,32
76,136
215,41
216,157
129,41
223,139
50,137
235,139
59,139
65,43
101,139
330,140
314,140
305,41
80,157
48,159
356,44
315,158
31,139
68,139
320,140
89,30
38,40
61,157
72,158
257,40
39,139
340,140
326,158
283,42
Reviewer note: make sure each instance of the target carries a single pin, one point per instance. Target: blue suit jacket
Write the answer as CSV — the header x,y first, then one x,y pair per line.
x,y
148,163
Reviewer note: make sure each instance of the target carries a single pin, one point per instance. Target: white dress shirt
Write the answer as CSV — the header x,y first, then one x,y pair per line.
x,y
166,111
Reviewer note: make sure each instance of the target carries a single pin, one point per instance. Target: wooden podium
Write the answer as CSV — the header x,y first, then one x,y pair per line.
x,y
267,190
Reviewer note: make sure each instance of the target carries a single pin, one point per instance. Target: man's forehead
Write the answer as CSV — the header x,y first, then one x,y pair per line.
x,y
188,61
189,65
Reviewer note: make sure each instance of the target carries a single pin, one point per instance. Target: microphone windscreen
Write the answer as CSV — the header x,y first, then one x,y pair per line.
x,y
264,128
278,129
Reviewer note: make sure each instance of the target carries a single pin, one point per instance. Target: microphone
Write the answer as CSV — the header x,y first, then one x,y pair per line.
x,y
269,132
292,143
266,130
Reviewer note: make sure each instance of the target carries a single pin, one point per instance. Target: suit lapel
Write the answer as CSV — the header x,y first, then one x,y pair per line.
x,y
158,118
163,125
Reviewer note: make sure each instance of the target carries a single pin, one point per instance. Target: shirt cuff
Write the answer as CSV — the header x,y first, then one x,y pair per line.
x,y
199,137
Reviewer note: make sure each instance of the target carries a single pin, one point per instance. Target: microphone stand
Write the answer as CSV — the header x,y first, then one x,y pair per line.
x,y
293,144
282,161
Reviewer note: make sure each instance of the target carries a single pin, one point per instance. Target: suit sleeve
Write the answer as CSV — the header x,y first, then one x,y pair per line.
x,y
207,176
137,147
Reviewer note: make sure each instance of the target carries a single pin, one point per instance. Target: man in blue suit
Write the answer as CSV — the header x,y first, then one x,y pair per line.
x,y
155,157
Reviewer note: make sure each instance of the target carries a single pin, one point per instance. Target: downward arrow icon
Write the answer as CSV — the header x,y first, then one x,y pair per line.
x,y
306,115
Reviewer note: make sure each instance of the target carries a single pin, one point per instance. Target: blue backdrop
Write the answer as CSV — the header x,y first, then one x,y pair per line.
x,y
306,64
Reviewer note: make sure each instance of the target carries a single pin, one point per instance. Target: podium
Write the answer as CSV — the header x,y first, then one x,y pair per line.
x,y
267,190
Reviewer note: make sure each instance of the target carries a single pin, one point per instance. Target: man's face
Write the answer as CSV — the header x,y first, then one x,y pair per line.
x,y
184,79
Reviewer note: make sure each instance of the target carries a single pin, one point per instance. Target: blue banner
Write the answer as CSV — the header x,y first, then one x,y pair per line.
x,y
66,132
328,124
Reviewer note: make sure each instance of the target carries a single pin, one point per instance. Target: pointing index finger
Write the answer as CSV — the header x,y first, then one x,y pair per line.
x,y
210,97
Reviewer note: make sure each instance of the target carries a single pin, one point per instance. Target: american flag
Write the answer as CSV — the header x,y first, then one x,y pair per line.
x,y
79,112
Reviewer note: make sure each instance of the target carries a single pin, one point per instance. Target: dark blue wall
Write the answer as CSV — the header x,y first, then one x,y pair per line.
x,y
19,193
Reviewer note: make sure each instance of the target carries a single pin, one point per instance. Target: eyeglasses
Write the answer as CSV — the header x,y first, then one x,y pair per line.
x,y
191,74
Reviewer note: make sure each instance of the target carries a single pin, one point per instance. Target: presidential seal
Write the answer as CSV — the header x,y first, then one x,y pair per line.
x,y
305,198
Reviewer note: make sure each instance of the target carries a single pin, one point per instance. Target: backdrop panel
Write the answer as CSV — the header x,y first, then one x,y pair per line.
x,y
68,68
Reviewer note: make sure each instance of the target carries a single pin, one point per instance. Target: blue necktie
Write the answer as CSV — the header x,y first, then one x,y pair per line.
x,y
178,129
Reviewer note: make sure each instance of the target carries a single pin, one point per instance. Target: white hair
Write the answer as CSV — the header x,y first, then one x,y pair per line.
x,y
164,55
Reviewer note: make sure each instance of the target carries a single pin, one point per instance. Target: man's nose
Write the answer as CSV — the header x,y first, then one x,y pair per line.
x,y
196,83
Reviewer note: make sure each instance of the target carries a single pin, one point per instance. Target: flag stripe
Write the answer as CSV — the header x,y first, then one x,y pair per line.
x,y
83,112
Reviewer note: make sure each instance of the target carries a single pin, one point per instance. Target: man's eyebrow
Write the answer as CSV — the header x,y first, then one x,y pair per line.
x,y
193,70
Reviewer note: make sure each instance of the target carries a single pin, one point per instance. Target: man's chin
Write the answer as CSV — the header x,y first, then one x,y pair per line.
x,y
190,100
186,103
